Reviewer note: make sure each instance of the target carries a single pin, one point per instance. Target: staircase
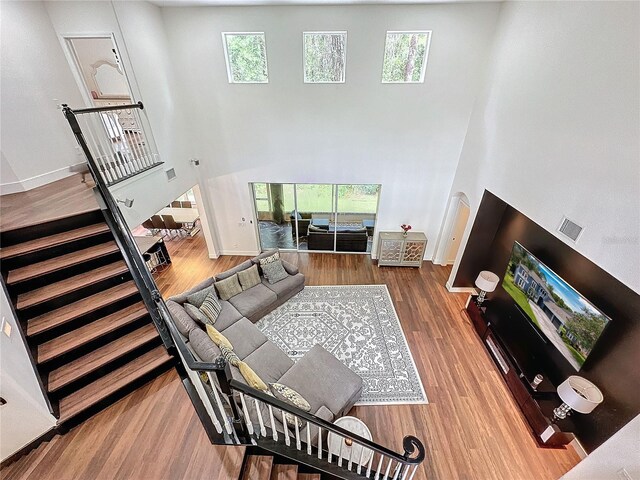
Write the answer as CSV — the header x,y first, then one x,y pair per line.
x,y
89,332
263,467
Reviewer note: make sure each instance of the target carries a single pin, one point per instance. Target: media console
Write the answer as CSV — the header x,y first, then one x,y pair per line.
x,y
536,405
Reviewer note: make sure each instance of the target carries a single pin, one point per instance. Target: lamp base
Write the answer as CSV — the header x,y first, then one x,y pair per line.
x,y
561,412
481,297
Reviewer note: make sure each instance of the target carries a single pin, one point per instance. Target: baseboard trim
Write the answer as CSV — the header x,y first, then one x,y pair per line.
x,y
453,289
213,257
242,253
579,449
38,180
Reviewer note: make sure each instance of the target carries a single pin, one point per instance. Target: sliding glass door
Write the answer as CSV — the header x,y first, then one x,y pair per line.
x,y
316,216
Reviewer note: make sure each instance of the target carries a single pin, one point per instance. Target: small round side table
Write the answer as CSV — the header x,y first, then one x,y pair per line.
x,y
338,445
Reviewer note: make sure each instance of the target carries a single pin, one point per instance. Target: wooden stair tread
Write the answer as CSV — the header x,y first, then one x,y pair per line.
x,y
74,310
284,472
93,393
258,467
52,240
51,265
53,290
100,357
71,340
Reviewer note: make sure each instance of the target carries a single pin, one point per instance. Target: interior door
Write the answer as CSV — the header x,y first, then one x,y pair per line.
x,y
457,230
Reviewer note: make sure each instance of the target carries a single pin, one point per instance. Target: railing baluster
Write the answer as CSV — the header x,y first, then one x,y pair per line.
x,y
407,467
415,469
386,473
350,462
263,431
287,441
309,450
340,456
95,149
137,165
328,450
106,152
379,468
145,144
319,443
368,474
105,139
397,471
297,429
274,432
247,418
113,127
223,413
362,450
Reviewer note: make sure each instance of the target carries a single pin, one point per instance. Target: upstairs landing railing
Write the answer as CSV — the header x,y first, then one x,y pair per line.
x,y
116,139
223,404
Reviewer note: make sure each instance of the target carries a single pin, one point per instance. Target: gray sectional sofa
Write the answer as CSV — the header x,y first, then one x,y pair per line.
x,y
327,384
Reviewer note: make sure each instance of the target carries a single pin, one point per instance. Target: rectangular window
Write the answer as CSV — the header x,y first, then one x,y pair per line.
x,y
405,57
246,55
325,57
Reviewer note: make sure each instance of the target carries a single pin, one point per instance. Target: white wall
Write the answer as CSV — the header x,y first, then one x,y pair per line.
x,y
621,451
140,37
25,416
37,145
555,130
406,137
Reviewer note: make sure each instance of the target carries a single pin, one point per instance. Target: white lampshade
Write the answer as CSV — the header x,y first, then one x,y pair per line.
x,y
580,394
487,281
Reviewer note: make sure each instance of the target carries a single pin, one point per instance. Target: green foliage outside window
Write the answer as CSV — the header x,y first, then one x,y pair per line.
x,y
404,57
324,57
247,57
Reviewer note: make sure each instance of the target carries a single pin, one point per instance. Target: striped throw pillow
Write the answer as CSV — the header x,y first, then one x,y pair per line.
x,y
211,308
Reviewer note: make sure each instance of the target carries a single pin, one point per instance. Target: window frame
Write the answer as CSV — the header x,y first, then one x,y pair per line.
x,y
424,63
304,55
228,61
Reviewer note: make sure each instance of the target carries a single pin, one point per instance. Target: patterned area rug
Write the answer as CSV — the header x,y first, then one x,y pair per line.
x,y
357,324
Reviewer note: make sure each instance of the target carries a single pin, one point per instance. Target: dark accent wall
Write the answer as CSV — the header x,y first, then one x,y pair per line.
x,y
614,363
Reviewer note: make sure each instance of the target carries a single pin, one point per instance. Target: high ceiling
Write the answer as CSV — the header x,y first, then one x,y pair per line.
x,y
228,3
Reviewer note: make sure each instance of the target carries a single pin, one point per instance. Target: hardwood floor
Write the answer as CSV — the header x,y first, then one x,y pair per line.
x,y
472,428
53,201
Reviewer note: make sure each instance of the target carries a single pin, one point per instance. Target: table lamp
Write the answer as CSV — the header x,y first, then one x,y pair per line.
x,y
486,282
579,394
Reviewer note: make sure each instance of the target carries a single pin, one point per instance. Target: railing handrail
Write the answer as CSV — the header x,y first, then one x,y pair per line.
x,y
109,108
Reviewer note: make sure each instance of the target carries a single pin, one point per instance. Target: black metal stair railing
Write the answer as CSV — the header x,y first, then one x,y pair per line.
x,y
223,404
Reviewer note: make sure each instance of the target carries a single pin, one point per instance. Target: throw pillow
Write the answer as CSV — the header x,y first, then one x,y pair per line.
x,y
290,396
274,272
211,308
218,338
249,278
198,297
228,287
270,259
195,313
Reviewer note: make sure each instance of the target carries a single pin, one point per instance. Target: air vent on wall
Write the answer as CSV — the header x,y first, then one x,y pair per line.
x,y
570,229
171,174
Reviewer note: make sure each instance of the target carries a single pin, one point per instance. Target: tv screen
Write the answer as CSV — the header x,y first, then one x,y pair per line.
x,y
567,319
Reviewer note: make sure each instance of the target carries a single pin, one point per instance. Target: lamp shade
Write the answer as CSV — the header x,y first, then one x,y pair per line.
x,y
487,281
580,394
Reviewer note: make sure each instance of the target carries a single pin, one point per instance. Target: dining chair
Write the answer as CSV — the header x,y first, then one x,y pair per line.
x,y
172,225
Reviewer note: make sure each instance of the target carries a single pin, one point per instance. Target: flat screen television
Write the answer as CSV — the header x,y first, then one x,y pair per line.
x,y
568,320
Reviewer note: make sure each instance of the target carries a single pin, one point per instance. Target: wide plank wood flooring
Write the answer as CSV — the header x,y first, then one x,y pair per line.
x,y
472,428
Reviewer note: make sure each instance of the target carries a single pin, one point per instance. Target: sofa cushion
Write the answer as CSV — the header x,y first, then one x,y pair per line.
x,y
211,308
249,278
323,380
252,300
181,319
203,346
228,316
274,271
200,286
243,266
285,286
245,338
268,361
228,287
197,298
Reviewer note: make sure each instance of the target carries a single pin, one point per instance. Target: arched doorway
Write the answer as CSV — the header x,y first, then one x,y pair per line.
x,y
453,229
